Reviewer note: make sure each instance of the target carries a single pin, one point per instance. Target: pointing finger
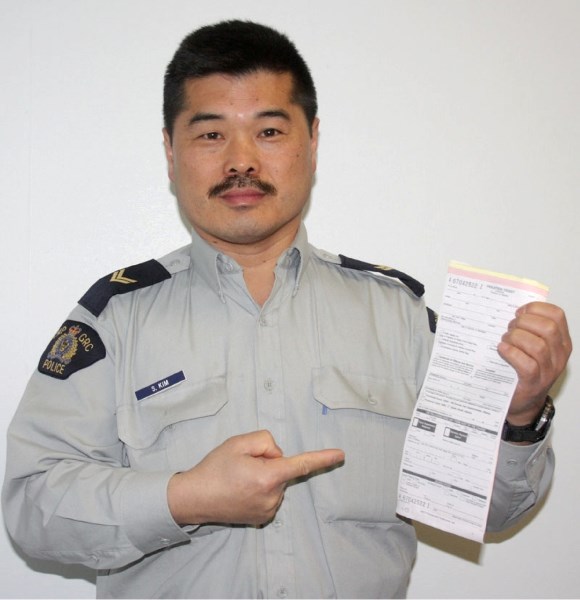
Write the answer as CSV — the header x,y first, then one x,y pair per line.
x,y
306,463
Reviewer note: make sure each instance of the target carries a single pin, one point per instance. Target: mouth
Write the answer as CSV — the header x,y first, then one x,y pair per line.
x,y
245,196
242,191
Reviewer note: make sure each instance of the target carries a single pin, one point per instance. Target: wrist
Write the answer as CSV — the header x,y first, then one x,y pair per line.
x,y
180,502
527,414
534,430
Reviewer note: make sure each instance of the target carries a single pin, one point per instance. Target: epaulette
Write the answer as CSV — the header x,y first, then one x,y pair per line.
x,y
433,318
352,263
125,280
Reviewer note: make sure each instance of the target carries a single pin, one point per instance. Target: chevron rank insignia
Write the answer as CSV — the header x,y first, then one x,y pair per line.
x,y
122,281
119,277
415,286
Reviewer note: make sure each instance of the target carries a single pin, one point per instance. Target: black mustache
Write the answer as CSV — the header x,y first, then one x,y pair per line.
x,y
240,181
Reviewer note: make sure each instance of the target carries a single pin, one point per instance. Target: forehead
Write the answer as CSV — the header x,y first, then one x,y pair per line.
x,y
253,90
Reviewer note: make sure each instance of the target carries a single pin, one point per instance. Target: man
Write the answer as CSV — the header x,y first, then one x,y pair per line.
x,y
228,421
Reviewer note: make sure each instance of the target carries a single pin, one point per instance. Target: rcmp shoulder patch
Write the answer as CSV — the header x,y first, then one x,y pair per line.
x,y
352,263
74,346
123,281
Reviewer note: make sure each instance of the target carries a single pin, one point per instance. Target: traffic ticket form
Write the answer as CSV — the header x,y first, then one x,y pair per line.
x,y
452,443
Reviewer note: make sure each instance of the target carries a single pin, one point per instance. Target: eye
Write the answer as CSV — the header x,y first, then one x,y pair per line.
x,y
211,135
270,132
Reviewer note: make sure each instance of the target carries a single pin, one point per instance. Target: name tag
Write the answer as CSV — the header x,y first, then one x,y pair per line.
x,y
160,386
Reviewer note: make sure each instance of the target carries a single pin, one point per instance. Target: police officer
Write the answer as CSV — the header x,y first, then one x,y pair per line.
x,y
228,421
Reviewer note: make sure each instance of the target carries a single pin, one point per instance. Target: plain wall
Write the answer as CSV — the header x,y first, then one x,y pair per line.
x,y
449,130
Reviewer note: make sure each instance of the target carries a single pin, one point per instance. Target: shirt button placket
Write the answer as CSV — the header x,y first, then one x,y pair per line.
x,y
271,409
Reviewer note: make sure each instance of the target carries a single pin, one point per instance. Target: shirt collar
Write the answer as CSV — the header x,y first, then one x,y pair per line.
x,y
212,265
297,256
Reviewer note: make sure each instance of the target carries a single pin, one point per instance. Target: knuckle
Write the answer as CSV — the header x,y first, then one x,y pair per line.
x,y
552,328
559,313
530,370
303,467
265,481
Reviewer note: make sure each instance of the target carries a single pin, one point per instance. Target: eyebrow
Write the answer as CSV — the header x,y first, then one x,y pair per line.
x,y
274,113
202,116
264,114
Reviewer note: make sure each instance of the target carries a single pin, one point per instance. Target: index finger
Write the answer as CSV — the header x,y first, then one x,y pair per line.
x,y
543,309
542,318
303,464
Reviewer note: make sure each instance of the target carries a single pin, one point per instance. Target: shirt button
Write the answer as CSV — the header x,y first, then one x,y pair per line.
x,y
278,523
282,593
263,322
371,400
268,385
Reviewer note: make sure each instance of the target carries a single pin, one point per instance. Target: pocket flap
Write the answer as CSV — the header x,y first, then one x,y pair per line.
x,y
386,396
140,423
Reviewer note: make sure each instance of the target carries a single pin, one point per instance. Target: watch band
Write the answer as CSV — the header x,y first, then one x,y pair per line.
x,y
534,432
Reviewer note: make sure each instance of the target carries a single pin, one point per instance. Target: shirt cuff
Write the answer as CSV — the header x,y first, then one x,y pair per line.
x,y
519,462
145,513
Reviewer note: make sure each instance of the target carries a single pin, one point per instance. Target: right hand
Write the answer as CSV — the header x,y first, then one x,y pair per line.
x,y
241,481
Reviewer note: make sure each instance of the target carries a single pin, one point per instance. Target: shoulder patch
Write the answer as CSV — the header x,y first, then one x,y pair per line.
x,y
352,263
74,346
123,281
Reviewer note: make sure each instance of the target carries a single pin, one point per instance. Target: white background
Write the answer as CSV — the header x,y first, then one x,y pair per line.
x,y
450,130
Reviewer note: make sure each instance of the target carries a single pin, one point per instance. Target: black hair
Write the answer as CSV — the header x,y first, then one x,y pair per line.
x,y
235,48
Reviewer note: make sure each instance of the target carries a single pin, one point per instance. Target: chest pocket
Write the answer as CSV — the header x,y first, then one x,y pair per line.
x,y
367,417
384,396
175,428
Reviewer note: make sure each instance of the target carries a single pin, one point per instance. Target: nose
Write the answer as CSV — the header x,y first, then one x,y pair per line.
x,y
241,157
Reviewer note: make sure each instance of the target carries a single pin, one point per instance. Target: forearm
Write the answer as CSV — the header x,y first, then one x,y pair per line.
x,y
69,492
102,517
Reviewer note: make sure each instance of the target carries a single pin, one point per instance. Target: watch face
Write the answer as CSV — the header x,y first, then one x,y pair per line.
x,y
546,416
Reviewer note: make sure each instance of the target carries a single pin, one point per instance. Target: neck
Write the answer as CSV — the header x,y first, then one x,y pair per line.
x,y
258,259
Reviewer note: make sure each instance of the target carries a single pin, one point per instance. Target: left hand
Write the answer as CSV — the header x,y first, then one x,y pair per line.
x,y
537,345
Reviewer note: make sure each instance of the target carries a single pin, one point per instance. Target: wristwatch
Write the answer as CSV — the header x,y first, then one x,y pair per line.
x,y
534,432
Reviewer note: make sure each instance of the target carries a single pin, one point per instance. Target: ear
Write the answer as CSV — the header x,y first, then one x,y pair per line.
x,y
314,143
168,154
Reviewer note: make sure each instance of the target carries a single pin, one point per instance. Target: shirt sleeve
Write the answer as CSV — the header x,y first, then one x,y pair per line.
x,y
522,478
69,494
